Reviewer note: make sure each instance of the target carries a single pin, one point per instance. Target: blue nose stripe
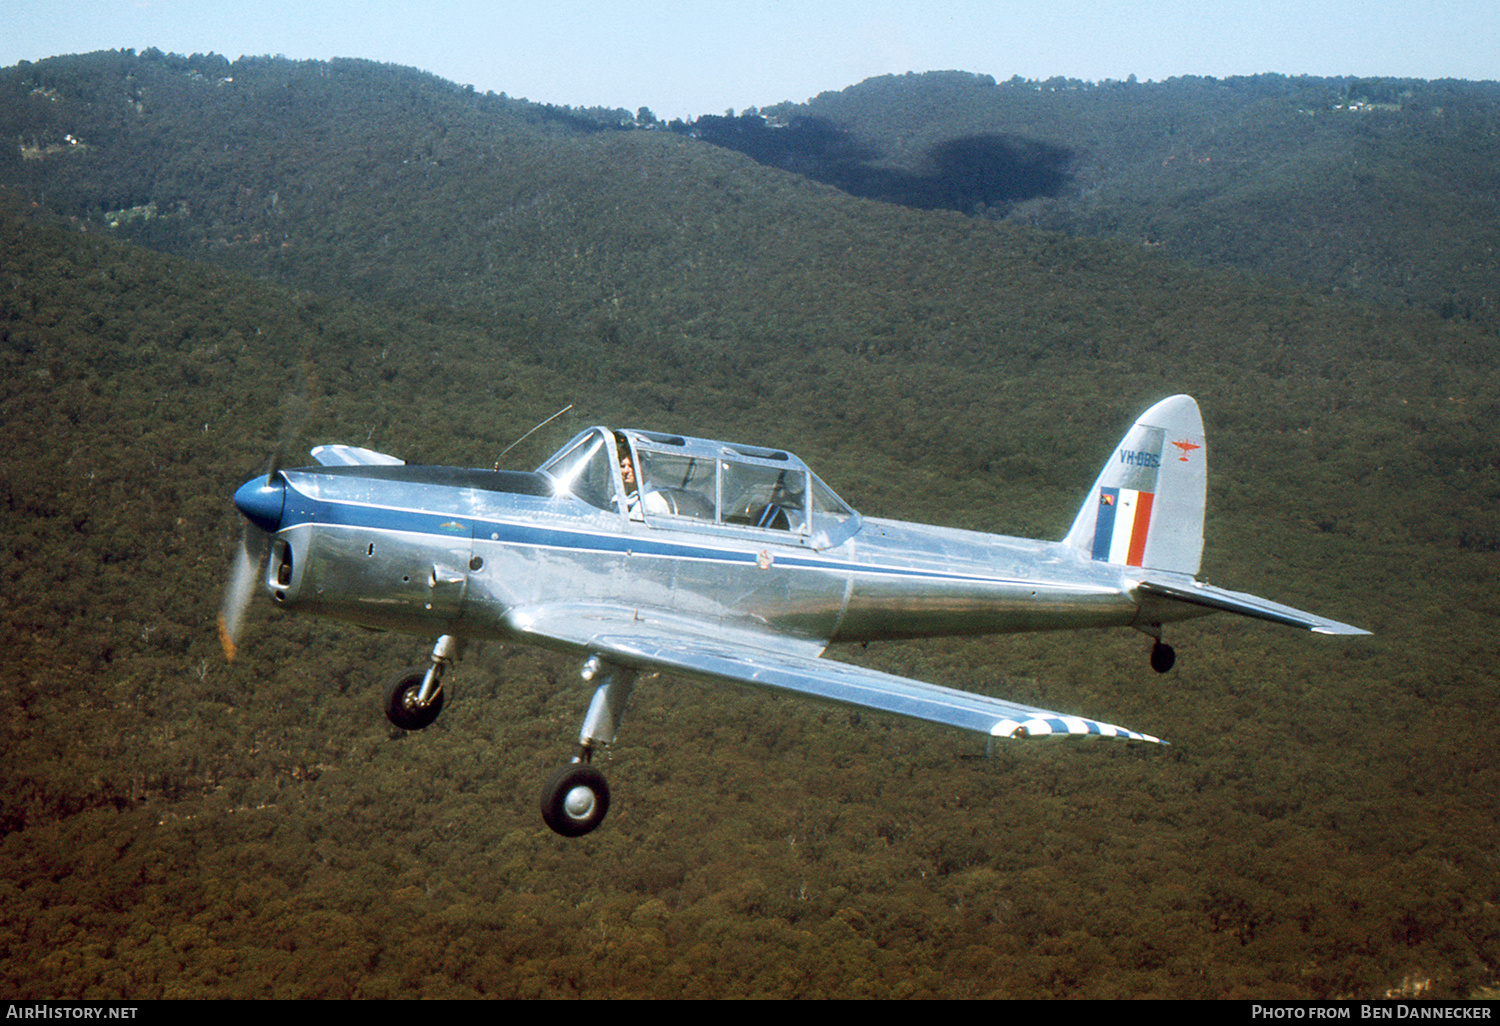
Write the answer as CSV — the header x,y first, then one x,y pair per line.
x,y
261,502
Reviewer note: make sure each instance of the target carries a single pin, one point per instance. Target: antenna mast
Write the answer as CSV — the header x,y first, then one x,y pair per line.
x,y
528,434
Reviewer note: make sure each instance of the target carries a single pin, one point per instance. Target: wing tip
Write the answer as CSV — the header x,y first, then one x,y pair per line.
x,y
1342,630
1066,726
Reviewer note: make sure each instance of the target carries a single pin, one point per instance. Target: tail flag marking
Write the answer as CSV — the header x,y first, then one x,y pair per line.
x,y
1122,526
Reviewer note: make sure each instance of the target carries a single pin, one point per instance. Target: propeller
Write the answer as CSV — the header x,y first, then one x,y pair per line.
x,y
245,575
260,504
259,501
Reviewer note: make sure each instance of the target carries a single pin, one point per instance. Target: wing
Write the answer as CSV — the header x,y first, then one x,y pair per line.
x,y
353,456
1209,597
712,652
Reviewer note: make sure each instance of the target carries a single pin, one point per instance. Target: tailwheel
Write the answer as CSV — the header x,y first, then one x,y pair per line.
x,y
402,701
575,799
1162,657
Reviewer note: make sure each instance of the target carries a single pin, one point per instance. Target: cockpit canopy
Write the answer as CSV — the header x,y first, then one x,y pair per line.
x,y
699,484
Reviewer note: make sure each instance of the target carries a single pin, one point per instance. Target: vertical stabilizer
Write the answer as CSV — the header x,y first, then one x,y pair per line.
x,y
1146,508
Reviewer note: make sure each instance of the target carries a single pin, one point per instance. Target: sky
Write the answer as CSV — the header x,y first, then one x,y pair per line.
x,y
684,59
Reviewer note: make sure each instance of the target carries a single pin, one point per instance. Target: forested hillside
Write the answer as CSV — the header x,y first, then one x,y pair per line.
x,y
381,258
1382,188
374,177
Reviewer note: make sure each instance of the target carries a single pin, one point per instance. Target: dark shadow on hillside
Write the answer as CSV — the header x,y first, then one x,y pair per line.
x,y
972,174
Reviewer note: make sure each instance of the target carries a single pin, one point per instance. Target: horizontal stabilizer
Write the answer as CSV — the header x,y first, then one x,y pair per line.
x,y
1207,596
353,456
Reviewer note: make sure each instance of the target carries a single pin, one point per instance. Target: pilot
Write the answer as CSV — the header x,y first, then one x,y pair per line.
x,y
632,493
635,503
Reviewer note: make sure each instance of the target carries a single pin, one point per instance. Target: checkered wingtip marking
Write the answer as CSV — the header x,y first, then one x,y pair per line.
x,y
1066,726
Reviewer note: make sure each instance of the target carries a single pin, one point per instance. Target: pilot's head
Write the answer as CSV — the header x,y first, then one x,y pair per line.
x,y
627,465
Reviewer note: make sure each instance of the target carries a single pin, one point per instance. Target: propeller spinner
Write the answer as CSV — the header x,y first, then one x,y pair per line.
x,y
260,501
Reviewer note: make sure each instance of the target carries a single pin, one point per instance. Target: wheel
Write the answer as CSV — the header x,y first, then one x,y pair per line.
x,y
575,799
401,706
1162,657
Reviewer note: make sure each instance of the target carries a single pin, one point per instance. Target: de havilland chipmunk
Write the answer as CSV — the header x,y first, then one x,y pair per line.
x,y
638,551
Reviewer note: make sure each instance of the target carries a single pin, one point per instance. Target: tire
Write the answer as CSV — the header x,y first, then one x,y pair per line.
x,y
1162,657
401,698
575,799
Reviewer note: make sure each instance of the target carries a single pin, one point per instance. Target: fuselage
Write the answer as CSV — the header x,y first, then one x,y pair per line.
x,y
435,550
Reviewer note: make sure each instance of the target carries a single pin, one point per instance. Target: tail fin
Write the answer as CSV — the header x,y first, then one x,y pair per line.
x,y
1146,508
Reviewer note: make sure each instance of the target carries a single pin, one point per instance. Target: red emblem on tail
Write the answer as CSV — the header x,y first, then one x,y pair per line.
x,y
1186,448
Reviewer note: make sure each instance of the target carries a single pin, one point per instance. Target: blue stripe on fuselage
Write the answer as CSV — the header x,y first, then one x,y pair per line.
x,y
303,509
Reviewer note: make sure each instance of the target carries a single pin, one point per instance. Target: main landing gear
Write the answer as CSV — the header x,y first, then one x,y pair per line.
x,y
575,799
414,699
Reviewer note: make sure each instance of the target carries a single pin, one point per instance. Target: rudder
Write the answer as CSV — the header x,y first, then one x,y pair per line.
x,y
1146,508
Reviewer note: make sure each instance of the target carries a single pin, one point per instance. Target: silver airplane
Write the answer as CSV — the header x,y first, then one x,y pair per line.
x,y
637,551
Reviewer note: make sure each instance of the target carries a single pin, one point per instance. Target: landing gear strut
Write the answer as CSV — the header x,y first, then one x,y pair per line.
x,y
575,799
414,699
